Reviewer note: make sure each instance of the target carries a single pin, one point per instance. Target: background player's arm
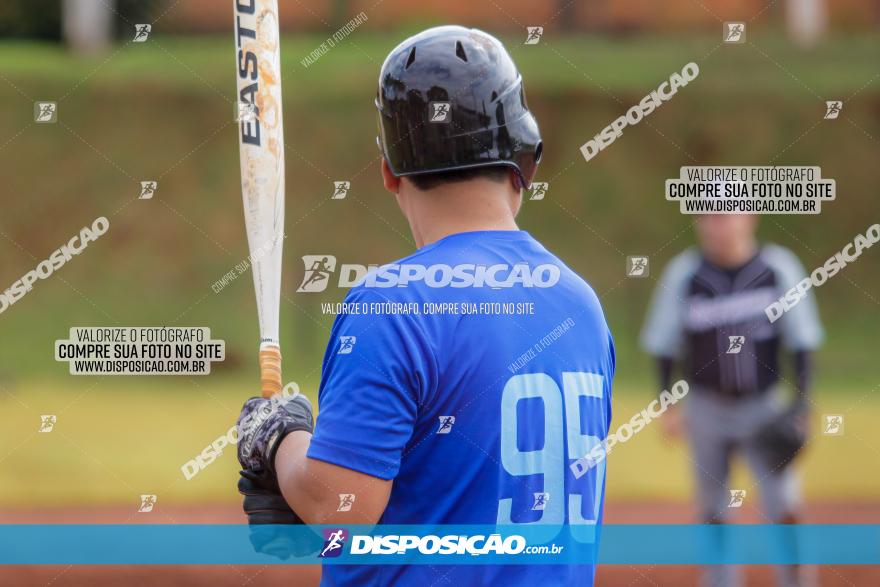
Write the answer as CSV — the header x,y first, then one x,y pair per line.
x,y
313,487
665,366
663,333
803,369
801,329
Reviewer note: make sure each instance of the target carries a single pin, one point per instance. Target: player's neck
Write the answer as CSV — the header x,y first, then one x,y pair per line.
x,y
460,207
735,256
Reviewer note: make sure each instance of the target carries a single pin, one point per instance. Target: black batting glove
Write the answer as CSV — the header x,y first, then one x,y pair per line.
x,y
266,510
262,426
263,502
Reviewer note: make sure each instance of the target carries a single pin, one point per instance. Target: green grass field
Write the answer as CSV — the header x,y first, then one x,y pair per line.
x,y
115,440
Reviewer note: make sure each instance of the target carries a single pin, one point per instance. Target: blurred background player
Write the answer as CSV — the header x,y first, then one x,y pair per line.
x,y
438,418
707,318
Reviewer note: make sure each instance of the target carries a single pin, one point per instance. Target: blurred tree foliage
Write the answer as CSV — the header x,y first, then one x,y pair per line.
x,y
41,19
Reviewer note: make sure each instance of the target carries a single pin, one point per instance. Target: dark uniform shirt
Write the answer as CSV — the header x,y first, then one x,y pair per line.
x,y
714,321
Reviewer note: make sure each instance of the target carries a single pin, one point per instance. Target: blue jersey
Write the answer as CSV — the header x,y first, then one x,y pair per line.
x,y
473,373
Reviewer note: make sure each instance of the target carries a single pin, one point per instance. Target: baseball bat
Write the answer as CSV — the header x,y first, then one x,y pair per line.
x,y
261,150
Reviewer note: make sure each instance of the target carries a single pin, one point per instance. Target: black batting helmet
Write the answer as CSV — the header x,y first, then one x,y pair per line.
x,y
452,98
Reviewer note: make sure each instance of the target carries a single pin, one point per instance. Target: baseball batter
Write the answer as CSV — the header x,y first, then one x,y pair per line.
x,y
707,317
473,414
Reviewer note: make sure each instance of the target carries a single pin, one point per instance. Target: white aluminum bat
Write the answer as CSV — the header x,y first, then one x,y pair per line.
x,y
261,146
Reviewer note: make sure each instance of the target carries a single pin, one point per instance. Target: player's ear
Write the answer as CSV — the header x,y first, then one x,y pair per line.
x,y
515,181
392,183
516,194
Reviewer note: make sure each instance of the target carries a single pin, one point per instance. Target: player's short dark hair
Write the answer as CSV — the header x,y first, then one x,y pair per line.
x,y
427,181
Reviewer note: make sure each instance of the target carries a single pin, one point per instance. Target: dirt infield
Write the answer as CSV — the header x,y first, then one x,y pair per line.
x,y
290,576
756,576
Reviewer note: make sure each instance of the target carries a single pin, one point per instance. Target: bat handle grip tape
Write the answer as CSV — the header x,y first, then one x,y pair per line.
x,y
270,370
